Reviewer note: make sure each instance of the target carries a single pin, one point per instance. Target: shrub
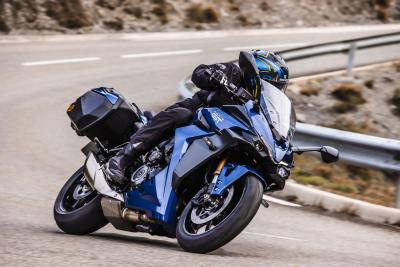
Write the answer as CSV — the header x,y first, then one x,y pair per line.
x,y
68,13
346,188
312,180
349,92
160,11
116,24
202,14
382,14
383,3
309,91
395,100
264,6
158,2
343,107
110,4
369,84
135,11
3,26
351,126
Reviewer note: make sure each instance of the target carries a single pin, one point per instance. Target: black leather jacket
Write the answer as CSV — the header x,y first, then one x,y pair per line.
x,y
209,95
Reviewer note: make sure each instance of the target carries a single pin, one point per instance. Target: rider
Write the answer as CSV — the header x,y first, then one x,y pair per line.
x,y
272,68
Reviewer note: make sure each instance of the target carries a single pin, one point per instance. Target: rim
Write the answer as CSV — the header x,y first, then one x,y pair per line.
x,y
207,212
79,194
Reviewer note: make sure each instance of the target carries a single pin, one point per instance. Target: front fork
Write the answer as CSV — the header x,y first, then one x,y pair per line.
x,y
217,172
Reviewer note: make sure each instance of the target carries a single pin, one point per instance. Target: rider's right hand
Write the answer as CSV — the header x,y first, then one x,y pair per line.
x,y
219,79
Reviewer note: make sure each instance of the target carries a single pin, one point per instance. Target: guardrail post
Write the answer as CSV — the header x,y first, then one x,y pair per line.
x,y
398,193
350,62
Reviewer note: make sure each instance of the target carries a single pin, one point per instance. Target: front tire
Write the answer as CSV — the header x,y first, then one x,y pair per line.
x,y
77,209
242,209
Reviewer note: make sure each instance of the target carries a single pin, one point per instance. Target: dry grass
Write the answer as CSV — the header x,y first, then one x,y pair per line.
x,y
343,107
202,14
382,14
369,84
395,101
3,24
110,4
116,24
397,65
382,9
264,6
349,92
134,10
383,3
348,125
309,90
161,10
360,183
68,13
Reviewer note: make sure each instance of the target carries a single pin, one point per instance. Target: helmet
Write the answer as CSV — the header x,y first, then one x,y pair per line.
x,y
273,68
266,65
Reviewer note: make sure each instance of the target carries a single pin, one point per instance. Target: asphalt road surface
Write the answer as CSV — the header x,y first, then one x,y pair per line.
x,y
39,151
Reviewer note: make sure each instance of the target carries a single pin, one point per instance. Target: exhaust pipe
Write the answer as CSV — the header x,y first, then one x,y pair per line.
x,y
122,218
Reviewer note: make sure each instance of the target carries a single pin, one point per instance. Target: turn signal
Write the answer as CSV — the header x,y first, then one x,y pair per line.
x,y
71,107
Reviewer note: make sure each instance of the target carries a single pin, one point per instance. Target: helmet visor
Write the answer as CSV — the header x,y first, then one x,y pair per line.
x,y
280,85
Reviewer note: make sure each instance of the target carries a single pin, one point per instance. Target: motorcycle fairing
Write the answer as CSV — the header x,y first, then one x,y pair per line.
x,y
198,153
277,150
231,173
219,120
156,196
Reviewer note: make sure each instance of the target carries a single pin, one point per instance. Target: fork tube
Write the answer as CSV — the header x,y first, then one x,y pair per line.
x,y
216,174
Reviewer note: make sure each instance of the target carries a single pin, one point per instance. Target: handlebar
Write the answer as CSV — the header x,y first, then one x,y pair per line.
x,y
240,93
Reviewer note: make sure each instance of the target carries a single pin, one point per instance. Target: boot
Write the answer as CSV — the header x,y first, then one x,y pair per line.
x,y
117,165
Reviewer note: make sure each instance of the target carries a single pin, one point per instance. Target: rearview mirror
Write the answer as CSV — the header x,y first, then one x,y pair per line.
x,y
251,73
248,64
329,154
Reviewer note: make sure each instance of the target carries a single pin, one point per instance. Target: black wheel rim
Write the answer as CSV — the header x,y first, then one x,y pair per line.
x,y
214,215
79,194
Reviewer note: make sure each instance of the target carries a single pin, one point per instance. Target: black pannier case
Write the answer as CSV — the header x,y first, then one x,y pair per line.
x,y
104,113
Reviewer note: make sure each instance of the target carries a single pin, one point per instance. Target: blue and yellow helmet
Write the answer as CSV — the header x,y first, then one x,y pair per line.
x,y
272,68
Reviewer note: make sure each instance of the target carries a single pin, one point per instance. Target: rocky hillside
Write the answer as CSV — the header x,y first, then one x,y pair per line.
x,y
84,16
367,102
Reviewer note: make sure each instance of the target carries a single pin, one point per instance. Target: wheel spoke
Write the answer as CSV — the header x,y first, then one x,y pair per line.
x,y
77,203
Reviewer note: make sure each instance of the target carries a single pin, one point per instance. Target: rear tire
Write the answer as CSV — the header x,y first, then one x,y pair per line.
x,y
85,218
226,230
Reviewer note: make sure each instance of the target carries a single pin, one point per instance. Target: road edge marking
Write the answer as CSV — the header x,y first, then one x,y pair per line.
x,y
59,61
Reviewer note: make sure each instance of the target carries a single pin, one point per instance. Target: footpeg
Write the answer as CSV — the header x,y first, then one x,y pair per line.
x,y
265,203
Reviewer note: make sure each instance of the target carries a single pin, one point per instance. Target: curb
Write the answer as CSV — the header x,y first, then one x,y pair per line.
x,y
310,196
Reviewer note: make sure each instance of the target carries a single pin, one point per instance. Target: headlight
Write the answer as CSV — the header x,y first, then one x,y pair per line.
x,y
283,172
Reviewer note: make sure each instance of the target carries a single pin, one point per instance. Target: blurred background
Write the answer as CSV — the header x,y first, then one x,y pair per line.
x,y
52,51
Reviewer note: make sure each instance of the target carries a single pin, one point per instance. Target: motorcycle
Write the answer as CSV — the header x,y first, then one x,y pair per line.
x,y
201,186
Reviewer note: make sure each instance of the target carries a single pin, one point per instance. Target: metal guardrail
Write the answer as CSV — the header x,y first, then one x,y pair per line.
x,y
358,149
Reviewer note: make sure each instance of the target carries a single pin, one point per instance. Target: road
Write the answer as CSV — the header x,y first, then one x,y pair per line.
x,y
39,151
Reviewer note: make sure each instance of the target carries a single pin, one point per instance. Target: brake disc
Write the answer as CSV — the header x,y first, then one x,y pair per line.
x,y
200,215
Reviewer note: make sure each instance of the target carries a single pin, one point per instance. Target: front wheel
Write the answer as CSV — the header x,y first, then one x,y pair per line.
x,y
77,209
207,224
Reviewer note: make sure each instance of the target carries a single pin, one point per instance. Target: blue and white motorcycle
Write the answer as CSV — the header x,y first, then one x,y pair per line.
x,y
202,186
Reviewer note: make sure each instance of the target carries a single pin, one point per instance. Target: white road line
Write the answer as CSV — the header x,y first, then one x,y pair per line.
x,y
273,236
60,61
166,53
267,46
280,201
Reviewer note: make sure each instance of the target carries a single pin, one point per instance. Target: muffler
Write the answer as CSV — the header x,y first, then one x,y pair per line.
x,y
122,218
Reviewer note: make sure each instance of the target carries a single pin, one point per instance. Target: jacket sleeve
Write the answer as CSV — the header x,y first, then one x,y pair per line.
x,y
202,80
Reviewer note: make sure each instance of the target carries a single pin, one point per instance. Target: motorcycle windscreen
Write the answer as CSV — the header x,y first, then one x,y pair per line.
x,y
278,110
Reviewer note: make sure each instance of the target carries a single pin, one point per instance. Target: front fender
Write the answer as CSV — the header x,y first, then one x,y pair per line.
x,y
230,174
